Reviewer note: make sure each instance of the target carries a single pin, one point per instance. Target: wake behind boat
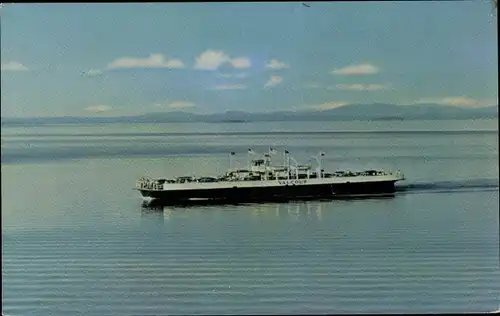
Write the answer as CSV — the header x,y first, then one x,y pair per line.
x,y
262,181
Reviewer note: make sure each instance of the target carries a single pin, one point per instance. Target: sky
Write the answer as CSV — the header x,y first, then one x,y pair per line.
x,y
126,59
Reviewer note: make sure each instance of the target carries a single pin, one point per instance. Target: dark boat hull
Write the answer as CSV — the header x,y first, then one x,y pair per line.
x,y
274,193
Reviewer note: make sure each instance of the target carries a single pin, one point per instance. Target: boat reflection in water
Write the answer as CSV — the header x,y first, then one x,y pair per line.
x,y
295,208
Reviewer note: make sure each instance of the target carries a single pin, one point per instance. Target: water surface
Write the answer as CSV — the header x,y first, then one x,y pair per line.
x,y
77,239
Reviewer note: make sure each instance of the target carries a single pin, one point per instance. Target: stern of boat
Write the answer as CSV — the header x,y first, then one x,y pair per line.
x,y
399,176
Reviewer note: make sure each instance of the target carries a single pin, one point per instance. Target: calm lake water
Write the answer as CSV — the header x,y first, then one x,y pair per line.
x,y
76,238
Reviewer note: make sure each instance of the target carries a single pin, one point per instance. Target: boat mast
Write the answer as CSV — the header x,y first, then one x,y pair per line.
x,y
296,168
231,154
272,151
318,159
287,164
321,154
248,157
266,165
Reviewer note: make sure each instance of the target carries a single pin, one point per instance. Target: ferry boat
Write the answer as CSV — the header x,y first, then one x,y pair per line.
x,y
261,181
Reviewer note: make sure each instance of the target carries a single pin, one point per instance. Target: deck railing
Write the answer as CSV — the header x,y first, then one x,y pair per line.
x,y
147,184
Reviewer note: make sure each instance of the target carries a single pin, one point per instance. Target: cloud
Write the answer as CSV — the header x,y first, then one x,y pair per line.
x,y
213,59
240,62
180,104
361,69
276,64
273,81
13,66
92,72
362,87
229,87
239,75
98,108
330,105
153,61
459,101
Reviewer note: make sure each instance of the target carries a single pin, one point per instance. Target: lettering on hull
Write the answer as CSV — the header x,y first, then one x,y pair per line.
x,y
292,182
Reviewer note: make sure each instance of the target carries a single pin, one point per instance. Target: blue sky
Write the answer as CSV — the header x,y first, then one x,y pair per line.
x,y
123,59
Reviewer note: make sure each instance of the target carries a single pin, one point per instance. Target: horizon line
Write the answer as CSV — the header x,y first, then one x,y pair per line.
x,y
310,109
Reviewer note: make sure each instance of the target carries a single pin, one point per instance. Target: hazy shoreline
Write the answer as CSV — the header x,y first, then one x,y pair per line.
x,y
359,112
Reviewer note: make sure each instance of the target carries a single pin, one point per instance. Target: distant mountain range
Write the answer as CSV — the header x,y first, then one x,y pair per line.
x,y
344,113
